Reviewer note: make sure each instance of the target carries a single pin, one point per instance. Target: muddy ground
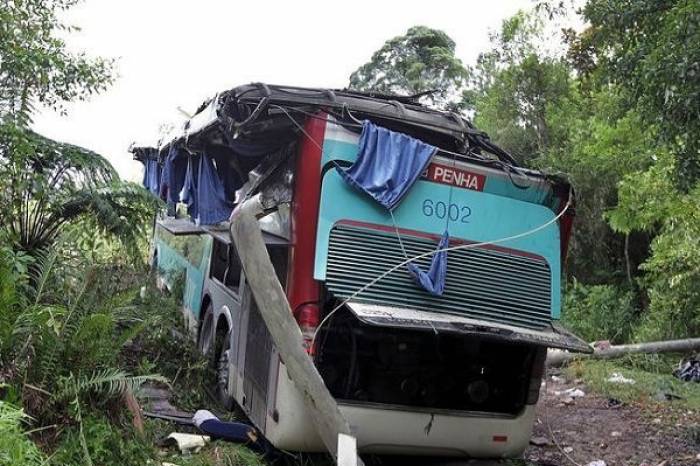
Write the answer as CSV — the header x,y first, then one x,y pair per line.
x,y
594,427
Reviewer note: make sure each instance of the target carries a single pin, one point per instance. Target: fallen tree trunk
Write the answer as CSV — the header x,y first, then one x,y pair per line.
x,y
556,358
274,308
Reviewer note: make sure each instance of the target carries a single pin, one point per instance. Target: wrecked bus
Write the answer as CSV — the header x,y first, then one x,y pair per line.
x,y
422,265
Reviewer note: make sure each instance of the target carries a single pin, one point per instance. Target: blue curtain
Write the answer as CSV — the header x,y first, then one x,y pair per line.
x,y
151,176
388,163
173,177
212,205
433,281
188,194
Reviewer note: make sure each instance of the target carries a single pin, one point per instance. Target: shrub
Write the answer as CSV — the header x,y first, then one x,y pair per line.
x,y
650,202
15,448
106,443
599,312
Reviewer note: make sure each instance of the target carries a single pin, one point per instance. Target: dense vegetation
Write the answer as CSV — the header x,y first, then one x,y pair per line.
x,y
615,106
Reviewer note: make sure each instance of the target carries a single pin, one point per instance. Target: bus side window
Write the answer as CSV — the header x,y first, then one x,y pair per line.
x,y
233,273
219,260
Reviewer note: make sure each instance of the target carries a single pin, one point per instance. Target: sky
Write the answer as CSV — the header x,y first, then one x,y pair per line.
x,y
176,53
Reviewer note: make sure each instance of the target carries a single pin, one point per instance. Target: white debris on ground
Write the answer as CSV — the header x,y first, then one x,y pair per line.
x,y
189,442
596,463
557,379
616,377
570,393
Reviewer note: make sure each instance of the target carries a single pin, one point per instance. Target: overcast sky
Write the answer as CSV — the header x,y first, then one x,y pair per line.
x,y
177,53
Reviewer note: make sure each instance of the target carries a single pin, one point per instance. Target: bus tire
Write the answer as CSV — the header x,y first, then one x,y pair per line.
x,y
223,366
206,331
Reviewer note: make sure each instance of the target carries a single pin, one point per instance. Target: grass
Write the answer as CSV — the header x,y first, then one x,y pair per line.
x,y
652,375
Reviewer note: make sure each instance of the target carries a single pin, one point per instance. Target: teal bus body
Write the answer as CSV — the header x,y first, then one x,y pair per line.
x,y
185,256
500,210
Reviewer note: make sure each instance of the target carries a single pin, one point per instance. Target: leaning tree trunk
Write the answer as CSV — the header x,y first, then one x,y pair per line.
x,y
559,358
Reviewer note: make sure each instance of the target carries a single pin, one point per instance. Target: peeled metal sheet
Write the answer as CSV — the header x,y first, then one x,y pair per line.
x,y
552,336
180,226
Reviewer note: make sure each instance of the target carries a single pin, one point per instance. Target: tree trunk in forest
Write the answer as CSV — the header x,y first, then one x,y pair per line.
x,y
628,266
556,358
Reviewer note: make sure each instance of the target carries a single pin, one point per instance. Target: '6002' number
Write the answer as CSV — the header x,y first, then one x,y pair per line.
x,y
441,210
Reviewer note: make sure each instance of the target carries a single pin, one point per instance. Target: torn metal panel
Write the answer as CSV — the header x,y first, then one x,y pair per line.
x,y
553,336
274,175
180,226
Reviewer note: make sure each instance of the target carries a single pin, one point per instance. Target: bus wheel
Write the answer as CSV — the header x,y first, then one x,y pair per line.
x,y
224,393
206,336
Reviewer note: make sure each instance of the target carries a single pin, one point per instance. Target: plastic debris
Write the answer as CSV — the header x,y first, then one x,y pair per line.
x,y
688,371
597,463
189,442
571,393
539,441
616,377
557,379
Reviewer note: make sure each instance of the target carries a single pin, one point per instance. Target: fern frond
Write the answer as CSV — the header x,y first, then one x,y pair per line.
x,y
44,265
108,382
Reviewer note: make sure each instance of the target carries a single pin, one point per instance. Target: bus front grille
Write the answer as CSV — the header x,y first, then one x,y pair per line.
x,y
494,285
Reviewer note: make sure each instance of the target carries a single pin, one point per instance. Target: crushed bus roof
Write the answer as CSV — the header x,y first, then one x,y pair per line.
x,y
247,110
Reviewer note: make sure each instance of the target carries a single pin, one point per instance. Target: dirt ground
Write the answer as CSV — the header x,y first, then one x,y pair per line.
x,y
594,428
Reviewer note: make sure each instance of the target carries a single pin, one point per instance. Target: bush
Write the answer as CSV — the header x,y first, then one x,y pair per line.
x,y
650,202
599,312
107,445
15,448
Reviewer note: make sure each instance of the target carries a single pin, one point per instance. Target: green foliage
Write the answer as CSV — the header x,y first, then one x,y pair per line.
x,y
422,60
648,384
652,48
35,63
107,444
650,201
108,382
16,449
601,144
599,312
49,185
164,347
516,86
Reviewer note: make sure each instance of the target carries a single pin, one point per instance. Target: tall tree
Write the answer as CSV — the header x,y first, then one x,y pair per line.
x,y
421,61
44,184
35,64
516,86
652,48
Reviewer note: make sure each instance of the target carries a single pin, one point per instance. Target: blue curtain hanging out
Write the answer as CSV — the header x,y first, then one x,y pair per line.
x,y
433,280
188,194
388,164
173,176
151,176
212,205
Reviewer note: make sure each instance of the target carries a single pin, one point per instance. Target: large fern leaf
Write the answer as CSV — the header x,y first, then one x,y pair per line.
x,y
107,382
